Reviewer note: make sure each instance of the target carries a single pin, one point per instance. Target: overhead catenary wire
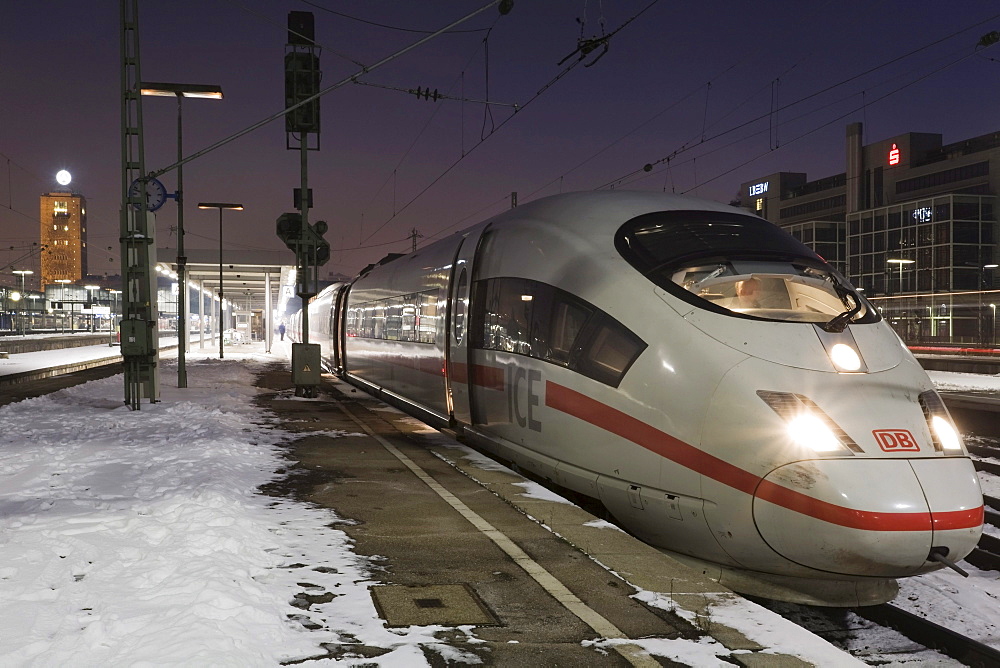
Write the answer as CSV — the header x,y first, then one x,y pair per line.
x,y
392,175
267,19
498,127
343,82
820,126
805,98
670,107
376,24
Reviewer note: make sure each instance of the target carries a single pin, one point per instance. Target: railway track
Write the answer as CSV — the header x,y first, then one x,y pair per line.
x,y
934,636
832,624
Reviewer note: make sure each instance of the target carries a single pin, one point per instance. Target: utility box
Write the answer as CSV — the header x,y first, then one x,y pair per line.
x,y
135,337
306,367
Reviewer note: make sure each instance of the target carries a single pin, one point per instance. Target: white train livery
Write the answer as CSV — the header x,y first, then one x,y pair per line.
x,y
725,393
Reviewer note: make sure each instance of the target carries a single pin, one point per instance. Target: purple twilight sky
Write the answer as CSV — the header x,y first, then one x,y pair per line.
x,y
731,90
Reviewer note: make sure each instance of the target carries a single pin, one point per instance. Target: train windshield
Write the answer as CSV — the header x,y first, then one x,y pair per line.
x,y
742,266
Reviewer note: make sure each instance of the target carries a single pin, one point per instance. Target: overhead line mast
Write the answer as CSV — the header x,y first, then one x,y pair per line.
x,y
139,338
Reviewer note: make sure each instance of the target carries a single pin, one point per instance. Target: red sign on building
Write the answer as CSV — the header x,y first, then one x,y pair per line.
x,y
894,155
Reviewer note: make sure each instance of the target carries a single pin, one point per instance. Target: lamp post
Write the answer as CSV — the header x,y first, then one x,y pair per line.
x,y
993,337
22,273
114,313
980,311
220,206
15,297
181,91
65,282
91,291
900,262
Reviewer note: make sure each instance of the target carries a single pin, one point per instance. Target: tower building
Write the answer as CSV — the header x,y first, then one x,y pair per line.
x,y
63,219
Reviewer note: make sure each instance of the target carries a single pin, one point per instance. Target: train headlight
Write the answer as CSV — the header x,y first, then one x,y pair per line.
x,y
943,433
809,431
807,425
844,357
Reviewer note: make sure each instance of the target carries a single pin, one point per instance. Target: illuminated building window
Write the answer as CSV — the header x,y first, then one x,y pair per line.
x,y
760,205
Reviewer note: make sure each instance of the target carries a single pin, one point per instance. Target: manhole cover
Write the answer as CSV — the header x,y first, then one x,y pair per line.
x,y
428,605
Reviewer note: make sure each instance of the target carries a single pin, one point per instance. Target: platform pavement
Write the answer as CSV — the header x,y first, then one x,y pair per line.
x,y
461,544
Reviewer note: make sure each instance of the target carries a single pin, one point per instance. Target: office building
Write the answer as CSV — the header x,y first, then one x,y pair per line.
x,y
63,219
912,221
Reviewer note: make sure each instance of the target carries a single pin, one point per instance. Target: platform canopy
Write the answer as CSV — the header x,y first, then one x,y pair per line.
x,y
244,272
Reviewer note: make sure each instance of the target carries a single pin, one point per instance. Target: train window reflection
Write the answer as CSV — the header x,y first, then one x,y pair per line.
x,y
538,320
609,352
460,303
412,318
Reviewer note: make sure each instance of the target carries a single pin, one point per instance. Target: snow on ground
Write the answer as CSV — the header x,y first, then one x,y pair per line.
x,y
140,538
952,381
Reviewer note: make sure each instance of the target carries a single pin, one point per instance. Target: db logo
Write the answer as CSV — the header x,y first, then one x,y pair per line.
x,y
895,440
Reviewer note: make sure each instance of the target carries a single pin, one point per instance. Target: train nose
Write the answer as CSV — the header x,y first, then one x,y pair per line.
x,y
870,517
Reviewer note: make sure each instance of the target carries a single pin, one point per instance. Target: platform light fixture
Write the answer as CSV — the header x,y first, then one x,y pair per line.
x,y
181,91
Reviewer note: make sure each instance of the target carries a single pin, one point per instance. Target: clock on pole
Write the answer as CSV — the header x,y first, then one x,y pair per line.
x,y
156,194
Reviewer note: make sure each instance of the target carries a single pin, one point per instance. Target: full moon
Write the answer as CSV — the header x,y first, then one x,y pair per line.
x,y
63,177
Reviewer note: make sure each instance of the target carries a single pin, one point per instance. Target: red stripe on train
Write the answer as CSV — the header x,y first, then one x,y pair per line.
x,y
612,420
489,377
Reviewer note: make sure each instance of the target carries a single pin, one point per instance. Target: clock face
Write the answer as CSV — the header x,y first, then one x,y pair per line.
x,y
156,194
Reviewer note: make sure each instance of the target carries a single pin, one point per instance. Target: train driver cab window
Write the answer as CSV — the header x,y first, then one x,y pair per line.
x,y
739,265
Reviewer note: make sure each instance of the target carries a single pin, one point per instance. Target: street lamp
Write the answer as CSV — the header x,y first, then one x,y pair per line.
x,y
65,282
994,337
980,312
23,273
181,91
91,290
900,262
220,206
114,313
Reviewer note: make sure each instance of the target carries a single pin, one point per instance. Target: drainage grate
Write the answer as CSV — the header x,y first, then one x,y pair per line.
x,y
429,602
427,605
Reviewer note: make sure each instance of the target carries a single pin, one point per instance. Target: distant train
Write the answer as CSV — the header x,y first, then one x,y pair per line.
x,y
724,392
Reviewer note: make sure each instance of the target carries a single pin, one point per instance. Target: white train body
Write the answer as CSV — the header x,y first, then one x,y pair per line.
x,y
600,341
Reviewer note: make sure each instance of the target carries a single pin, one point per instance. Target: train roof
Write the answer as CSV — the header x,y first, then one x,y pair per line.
x,y
590,213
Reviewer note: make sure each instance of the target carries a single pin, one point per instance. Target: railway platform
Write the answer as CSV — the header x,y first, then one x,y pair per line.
x,y
465,542
490,563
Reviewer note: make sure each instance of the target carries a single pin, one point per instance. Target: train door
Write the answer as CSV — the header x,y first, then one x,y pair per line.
x,y
459,339
337,328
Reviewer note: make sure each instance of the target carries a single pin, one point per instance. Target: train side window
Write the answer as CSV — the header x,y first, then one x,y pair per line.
x,y
541,321
378,320
608,350
352,322
367,321
408,318
427,316
459,306
567,319
393,319
516,306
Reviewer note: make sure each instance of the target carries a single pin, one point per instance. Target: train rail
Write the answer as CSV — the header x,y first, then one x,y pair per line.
x,y
934,636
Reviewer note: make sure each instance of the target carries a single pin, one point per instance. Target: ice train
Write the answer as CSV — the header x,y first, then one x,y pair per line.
x,y
724,392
